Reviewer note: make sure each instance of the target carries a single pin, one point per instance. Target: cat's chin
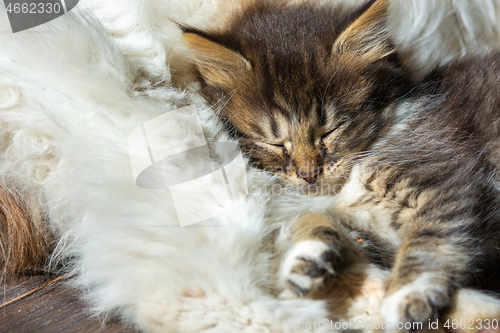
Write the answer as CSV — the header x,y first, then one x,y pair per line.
x,y
293,183
327,186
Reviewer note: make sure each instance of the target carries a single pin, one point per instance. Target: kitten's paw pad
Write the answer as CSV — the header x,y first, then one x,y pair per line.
x,y
307,267
410,309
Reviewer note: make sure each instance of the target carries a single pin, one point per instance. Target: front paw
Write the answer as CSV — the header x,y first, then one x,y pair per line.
x,y
308,267
415,305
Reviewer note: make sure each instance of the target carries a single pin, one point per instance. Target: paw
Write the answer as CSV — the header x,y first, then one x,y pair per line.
x,y
413,306
408,311
307,267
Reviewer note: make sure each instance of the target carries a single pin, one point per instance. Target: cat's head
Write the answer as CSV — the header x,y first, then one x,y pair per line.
x,y
304,88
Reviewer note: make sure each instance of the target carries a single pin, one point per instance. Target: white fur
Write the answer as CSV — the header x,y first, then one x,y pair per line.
x,y
68,101
146,30
311,250
436,32
66,112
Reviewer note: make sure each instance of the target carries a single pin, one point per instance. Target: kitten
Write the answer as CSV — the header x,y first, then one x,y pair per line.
x,y
64,164
318,96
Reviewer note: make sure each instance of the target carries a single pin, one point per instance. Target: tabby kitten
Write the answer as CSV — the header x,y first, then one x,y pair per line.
x,y
318,96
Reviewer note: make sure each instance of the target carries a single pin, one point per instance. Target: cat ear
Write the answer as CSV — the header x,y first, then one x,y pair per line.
x,y
217,64
367,37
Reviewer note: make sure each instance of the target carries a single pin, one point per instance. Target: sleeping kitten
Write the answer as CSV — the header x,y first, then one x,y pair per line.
x,y
68,191
318,96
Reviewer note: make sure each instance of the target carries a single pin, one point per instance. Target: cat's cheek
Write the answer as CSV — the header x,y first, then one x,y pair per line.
x,y
330,184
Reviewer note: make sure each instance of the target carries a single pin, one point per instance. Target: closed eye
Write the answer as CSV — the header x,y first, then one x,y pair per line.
x,y
327,134
282,147
274,147
331,131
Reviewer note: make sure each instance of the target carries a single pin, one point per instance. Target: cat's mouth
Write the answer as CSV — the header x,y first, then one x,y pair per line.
x,y
323,186
329,181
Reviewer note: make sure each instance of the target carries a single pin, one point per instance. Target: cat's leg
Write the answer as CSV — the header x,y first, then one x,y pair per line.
x,y
434,260
415,298
354,284
319,252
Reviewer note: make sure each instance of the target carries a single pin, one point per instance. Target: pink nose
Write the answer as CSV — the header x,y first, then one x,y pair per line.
x,y
310,177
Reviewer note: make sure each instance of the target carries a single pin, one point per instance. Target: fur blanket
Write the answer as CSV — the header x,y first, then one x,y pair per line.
x,y
72,91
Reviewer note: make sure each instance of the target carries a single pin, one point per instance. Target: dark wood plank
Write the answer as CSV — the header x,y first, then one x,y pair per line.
x,y
54,308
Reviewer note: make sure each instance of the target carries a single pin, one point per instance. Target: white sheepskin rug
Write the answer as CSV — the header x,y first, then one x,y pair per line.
x,y
71,93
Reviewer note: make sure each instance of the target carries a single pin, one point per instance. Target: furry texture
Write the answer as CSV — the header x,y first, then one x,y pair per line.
x,y
433,32
66,131
321,104
25,237
70,93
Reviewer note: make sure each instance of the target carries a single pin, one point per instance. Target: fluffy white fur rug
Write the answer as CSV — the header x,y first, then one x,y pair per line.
x,y
71,92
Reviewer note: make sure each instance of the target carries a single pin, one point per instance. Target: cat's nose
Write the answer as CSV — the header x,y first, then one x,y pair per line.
x,y
309,177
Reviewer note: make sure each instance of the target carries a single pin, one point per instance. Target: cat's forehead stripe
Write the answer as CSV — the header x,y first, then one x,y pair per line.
x,y
275,129
257,128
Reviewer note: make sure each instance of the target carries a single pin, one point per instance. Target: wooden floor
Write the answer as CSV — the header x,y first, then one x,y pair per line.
x,y
54,308
51,309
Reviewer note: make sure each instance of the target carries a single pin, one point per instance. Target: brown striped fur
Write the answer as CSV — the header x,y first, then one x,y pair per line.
x,y
322,99
264,90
